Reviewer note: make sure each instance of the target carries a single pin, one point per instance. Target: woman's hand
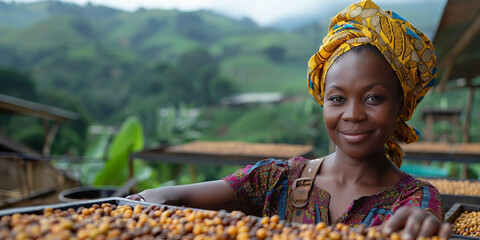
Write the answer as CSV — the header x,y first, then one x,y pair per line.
x,y
416,222
136,197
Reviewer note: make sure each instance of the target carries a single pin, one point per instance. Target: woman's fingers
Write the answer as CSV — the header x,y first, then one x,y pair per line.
x,y
396,222
416,222
445,231
431,226
136,197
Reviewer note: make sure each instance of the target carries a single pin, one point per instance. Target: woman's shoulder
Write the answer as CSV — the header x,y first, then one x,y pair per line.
x,y
270,164
410,183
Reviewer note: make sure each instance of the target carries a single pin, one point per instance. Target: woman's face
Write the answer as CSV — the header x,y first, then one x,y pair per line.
x,y
361,103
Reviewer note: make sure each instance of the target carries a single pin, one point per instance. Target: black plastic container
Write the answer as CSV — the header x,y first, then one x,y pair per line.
x,y
85,193
449,200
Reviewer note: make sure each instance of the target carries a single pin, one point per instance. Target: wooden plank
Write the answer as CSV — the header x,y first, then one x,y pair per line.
x,y
438,151
233,148
448,62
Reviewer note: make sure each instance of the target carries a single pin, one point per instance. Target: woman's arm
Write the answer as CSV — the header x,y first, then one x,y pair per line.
x,y
214,195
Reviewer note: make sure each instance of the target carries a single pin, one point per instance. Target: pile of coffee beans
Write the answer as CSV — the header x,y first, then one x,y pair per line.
x,y
467,224
456,187
108,221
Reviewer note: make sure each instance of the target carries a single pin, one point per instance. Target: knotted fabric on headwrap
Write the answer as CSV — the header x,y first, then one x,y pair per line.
x,y
407,49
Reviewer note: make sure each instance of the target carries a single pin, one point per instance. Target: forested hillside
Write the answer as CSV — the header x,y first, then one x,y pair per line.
x,y
109,58
108,64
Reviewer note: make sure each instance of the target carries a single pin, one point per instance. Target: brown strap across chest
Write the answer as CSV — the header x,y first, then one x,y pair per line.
x,y
302,187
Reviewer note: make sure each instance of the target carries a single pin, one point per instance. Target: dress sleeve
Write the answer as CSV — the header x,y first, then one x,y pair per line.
x,y
253,184
424,195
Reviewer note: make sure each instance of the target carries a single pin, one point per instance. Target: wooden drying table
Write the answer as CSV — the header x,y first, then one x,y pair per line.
x,y
445,152
437,151
221,153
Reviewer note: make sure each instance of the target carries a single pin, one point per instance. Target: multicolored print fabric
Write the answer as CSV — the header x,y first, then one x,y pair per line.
x,y
409,52
264,189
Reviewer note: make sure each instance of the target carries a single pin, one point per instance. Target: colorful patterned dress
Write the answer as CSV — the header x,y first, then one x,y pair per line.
x,y
264,190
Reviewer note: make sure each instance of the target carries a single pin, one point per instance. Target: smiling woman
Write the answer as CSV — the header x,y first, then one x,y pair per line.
x,y
360,104
369,75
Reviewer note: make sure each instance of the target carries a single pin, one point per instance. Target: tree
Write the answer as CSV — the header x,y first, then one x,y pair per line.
x,y
16,84
275,53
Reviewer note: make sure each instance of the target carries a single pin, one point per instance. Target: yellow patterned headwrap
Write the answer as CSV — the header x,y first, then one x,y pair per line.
x,y
407,49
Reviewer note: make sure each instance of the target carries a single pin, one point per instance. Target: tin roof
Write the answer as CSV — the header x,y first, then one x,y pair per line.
x,y
21,106
456,41
8,145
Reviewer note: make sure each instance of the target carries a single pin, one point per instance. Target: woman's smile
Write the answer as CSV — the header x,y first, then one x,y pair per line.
x,y
355,136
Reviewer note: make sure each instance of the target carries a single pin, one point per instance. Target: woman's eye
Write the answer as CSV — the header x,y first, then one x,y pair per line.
x,y
336,99
374,98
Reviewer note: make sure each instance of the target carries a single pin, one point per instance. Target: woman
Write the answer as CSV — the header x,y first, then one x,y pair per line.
x,y
369,75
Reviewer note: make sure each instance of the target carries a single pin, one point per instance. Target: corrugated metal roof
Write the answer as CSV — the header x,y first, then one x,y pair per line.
x,y
457,41
21,106
249,98
8,145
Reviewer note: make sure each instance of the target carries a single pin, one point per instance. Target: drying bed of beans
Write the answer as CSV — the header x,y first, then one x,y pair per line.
x,y
109,221
456,187
467,224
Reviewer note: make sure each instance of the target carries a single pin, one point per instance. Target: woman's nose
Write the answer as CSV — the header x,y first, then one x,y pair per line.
x,y
353,112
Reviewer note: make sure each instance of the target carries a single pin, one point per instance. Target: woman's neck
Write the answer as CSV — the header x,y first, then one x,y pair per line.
x,y
374,170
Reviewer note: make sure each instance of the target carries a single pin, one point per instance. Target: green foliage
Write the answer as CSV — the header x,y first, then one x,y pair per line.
x,y
108,57
30,135
275,53
177,125
127,140
170,84
297,122
304,125
98,147
94,153
71,137
16,84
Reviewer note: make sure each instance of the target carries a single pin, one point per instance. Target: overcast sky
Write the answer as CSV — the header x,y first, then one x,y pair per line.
x,y
263,12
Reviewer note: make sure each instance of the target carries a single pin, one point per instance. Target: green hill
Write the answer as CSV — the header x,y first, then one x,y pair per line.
x,y
103,55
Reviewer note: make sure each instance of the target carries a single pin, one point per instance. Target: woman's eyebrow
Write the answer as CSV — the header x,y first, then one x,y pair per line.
x,y
334,86
370,86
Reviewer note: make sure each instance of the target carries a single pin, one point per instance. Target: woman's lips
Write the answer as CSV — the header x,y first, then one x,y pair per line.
x,y
355,137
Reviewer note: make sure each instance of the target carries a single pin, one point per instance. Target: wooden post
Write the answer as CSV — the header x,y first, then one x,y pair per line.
x,y
429,127
446,74
30,176
23,177
49,136
455,128
468,116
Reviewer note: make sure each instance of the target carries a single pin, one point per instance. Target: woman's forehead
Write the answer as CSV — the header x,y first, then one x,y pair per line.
x,y
364,65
